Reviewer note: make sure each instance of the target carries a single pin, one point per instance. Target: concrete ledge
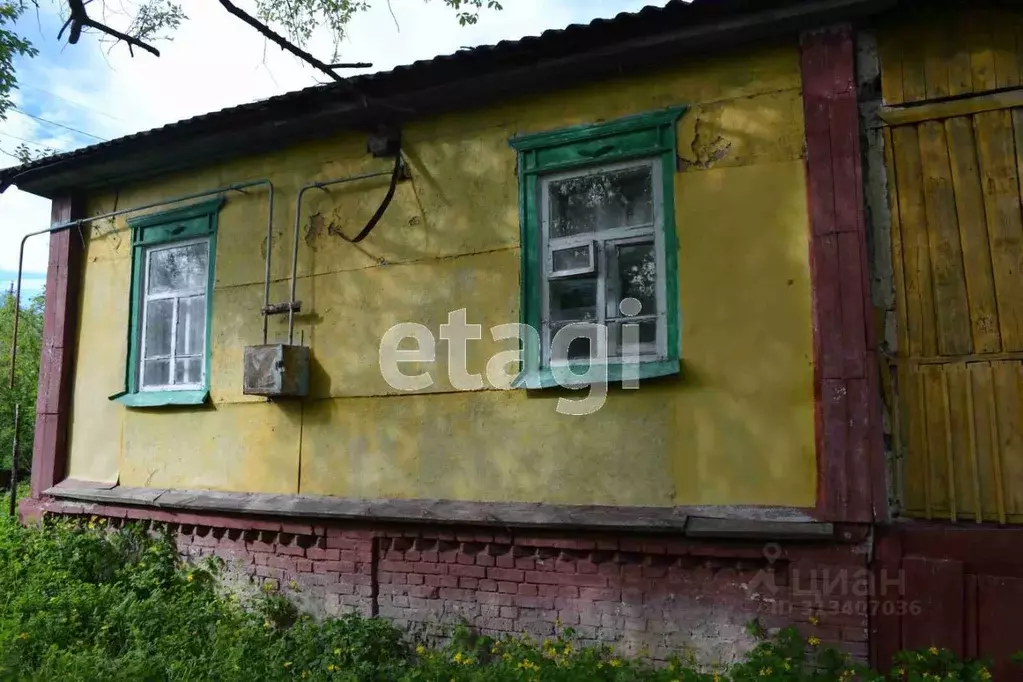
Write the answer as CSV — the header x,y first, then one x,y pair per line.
x,y
731,522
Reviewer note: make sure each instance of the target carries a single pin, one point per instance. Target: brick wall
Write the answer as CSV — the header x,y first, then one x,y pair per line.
x,y
649,596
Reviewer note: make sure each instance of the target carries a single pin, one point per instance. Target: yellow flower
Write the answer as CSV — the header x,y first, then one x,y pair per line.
x,y
615,663
764,672
985,674
467,660
337,652
420,649
506,656
23,635
814,620
190,577
813,641
717,678
331,668
458,657
933,651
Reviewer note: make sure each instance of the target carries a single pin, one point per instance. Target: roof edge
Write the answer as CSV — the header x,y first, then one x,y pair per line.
x,y
245,130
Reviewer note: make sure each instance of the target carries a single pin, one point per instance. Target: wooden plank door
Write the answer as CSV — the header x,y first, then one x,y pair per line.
x,y
957,247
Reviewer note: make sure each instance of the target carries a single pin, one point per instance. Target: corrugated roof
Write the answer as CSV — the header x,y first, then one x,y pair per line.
x,y
551,45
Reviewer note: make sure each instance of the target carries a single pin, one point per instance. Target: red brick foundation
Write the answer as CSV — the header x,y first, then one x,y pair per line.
x,y
649,596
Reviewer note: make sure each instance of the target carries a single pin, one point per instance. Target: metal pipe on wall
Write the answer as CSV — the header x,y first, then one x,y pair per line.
x,y
295,238
237,187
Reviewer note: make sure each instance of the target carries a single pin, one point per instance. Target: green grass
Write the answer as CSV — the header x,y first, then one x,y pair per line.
x,y
79,602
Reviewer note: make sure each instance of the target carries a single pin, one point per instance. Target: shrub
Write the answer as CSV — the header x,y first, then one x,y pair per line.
x,y
80,602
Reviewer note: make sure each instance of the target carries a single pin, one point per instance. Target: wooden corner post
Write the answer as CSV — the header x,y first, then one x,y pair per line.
x,y
53,403
849,446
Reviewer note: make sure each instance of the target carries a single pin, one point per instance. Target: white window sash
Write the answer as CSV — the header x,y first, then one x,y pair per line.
x,y
177,296
603,241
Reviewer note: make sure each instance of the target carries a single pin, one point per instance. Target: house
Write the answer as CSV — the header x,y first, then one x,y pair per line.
x,y
651,327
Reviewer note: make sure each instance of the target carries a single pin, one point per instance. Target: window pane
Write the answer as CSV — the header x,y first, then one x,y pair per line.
x,y
647,336
574,258
637,273
159,318
155,373
580,347
180,268
188,371
603,201
191,333
573,299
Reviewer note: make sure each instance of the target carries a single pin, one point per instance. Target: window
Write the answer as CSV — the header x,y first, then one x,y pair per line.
x,y
174,316
172,280
599,248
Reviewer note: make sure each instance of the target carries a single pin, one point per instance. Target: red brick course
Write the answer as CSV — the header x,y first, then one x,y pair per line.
x,y
644,595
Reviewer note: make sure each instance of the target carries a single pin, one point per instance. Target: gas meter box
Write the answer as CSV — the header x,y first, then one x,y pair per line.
x,y
276,370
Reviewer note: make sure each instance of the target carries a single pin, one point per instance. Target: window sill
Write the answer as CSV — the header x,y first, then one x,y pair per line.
x,y
162,398
544,377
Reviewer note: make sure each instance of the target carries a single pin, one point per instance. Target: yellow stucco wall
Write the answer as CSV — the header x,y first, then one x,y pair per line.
x,y
735,428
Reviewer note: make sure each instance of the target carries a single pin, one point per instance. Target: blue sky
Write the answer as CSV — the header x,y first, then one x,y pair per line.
x,y
213,61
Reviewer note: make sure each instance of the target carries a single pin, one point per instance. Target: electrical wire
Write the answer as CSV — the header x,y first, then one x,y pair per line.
x,y
70,101
32,142
59,125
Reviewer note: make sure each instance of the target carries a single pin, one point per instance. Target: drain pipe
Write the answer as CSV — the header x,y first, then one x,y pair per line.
x,y
292,305
237,187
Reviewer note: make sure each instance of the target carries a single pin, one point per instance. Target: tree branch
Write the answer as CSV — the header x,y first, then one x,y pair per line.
x,y
80,19
286,45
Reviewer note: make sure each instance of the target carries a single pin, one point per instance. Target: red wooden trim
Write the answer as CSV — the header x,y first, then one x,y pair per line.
x,y
884,618
985,545
850,459
53,404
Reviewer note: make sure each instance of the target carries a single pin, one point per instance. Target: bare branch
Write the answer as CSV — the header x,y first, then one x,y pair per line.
x,y
283,43
80,19
351,65
393,17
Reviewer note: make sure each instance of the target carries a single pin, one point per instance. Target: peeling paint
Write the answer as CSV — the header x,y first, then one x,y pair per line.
x,y
736,427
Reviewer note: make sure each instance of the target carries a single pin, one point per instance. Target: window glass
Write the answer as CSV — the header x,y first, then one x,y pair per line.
x,y
177,269
174,316
602,243
601,201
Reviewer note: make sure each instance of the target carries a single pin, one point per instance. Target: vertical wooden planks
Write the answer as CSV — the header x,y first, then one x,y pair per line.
x,y
937,57
914,68
1003,41
951,307
921,331
890,53
971,445
936,585
995,143
897,249
935,416
969,205
916,497
999,603
1008,376
982,56
985,416
960,69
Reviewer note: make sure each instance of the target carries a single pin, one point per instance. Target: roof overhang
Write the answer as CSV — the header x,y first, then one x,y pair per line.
x,y
425,89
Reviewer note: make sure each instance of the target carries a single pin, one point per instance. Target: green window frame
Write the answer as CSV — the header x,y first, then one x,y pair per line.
x,y
649,137
189,225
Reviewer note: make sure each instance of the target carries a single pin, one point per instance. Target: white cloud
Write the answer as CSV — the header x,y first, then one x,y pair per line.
x,y
215,61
